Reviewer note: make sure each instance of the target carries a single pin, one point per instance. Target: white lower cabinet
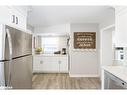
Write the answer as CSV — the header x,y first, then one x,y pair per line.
x,y
50,64
63,64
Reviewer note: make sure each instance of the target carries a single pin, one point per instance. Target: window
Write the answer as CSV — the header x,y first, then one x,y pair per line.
x,y
50,44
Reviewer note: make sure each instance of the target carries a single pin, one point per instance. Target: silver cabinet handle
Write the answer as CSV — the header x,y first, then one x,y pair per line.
x,y
41,62
13,18
10,56
59,62
16,20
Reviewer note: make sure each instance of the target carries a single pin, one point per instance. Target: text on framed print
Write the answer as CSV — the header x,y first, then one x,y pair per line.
x,y
84,40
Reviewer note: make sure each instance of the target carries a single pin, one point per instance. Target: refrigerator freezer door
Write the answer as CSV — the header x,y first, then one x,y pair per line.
x,y
21,42
21,67
6,39
7,56
21,73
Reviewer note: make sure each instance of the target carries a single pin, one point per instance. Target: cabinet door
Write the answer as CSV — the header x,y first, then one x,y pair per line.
x,y
5,15
63,64
20,19
37,64
50,64
121,28
12,17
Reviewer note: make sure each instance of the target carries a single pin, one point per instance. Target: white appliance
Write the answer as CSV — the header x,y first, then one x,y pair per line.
x,y
15,58
119,55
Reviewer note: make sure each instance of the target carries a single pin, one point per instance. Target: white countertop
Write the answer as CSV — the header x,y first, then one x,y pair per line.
x,y
51,55
118,71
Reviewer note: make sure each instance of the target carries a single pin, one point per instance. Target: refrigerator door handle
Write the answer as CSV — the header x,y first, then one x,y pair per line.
x,y
34,44
10,58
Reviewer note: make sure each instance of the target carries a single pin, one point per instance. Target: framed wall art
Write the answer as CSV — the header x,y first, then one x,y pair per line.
x,y
84,40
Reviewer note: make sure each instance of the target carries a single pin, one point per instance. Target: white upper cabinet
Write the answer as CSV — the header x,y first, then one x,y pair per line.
x,y
121,26
14,16
5,15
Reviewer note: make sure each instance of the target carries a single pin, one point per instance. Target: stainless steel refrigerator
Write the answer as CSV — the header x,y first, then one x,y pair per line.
x,y
15,58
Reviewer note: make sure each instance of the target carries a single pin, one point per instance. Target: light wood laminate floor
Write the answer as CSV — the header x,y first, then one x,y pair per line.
x,y
63,81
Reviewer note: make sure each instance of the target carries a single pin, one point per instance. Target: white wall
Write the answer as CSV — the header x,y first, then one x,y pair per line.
x,y
108,20
59,29
84,63
30,28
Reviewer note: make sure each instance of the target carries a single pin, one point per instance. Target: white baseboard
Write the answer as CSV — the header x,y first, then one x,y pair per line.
x,y
37,71
82,75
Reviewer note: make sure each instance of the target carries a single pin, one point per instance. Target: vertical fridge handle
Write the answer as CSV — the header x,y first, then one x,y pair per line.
x,y
34,42
10,57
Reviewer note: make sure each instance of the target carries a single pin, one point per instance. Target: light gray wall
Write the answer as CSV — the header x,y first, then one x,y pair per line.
x,y
84,63
56,29
109,19
30,28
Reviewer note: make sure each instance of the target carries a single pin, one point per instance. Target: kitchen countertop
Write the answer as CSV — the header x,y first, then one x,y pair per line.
x,y
118,71
51,55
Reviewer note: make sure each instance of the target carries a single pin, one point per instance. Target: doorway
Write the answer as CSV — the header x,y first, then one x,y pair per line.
x,y
107,40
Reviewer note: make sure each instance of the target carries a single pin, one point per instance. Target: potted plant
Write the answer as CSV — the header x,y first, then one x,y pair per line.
x,y
38,50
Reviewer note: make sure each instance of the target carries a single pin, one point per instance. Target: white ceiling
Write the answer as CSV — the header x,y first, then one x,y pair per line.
x,y
53,15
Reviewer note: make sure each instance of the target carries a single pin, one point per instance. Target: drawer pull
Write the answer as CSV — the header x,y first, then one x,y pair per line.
x,y
41,62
